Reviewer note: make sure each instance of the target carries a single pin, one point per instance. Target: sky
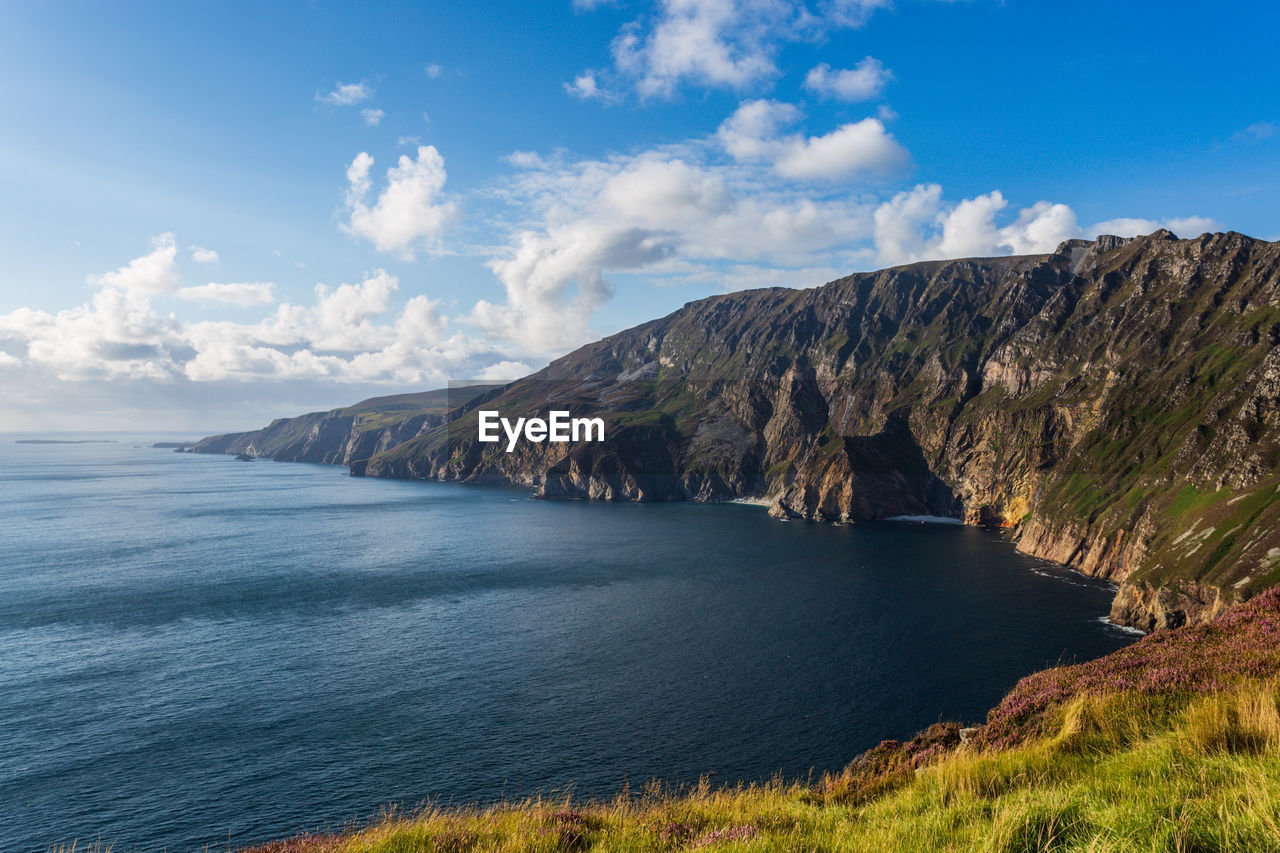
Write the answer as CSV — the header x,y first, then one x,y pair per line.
x,y
215,214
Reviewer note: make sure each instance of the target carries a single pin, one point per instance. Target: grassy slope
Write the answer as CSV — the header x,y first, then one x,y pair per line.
x,y
1170,744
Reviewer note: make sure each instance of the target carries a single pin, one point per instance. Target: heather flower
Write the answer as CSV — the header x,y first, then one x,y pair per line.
x,y
1242,644
731,833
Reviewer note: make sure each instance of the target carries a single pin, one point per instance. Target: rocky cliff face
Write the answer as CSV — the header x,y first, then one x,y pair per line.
x,y
1115,405
341,436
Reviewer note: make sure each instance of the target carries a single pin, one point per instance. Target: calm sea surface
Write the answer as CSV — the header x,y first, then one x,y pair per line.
x,y
196,650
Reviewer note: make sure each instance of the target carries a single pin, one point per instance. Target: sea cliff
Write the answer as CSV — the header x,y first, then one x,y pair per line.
x,y
1114,405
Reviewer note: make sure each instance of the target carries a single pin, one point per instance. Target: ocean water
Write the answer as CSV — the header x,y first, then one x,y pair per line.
x,y
199,651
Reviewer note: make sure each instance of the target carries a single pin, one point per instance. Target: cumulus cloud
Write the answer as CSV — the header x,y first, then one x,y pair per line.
x,y
372,117
346,95
899,224
433,70
504,371
584,86
658,212
235,293
409,211
350,333
725,43
852,13
754,130
156,272
857,149
707,41
683,215
1189,226
917,224
364,332
201,255
864,81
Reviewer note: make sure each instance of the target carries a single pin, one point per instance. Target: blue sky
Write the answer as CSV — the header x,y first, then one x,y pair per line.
x,y
199,228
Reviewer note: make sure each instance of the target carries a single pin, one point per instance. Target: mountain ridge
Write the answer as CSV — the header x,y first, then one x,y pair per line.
x,y
1114,404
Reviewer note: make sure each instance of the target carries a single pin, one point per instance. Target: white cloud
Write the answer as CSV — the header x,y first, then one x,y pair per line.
x,y
584,86
156,272
707,41
1040,228
724,43
372,117
899,224
504,371
864,81
658,212
753,131
346,94
526,160
863,148
859,148
408,212
1257,132
350,333
917,225
852,13
681,215
433,70
1190,226
235,293
201,255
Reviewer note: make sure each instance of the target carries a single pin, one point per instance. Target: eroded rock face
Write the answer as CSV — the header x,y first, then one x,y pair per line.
x,y
1115,405
1170,606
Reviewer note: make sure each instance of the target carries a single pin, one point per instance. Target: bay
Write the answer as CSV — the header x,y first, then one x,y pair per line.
x,y
200,651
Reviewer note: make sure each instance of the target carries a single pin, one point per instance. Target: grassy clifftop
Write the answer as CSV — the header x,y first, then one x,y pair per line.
x,y
1170,744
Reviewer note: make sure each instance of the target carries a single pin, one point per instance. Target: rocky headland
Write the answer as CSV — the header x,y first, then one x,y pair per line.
x,y
1113,405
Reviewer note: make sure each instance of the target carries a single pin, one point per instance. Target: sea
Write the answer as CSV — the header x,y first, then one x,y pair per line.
x,y
201,653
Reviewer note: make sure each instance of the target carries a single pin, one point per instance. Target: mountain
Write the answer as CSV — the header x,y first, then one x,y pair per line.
x,y
1115,405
